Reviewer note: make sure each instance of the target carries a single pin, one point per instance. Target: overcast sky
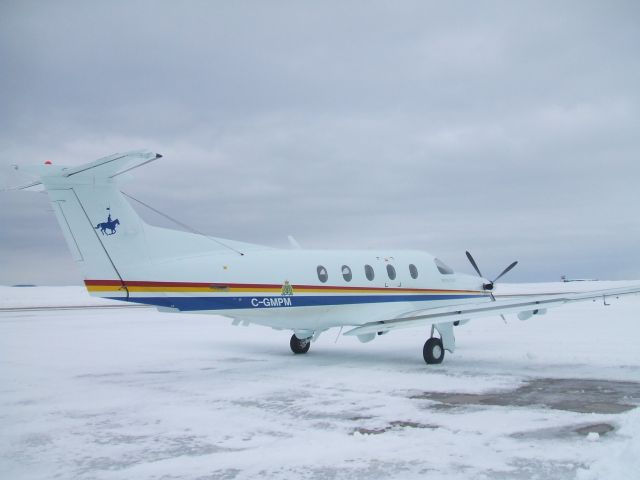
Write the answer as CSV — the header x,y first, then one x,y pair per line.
x,y
511,129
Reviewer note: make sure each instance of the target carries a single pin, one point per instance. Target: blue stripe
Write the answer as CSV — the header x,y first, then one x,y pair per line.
x,y
233,303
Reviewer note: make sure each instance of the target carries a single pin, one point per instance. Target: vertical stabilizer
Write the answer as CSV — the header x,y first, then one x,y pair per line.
x,y
110,242
104,234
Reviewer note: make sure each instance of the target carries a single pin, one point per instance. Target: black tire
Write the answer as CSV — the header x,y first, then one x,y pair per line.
x,y
299,346
433,352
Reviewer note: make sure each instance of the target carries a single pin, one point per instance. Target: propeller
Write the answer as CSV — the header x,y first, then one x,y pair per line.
x,y
489,286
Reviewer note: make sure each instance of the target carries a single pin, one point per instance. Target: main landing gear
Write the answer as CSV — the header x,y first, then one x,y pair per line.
x,y
299,345
434,347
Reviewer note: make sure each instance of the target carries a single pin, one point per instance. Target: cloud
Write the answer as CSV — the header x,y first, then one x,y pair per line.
x,y
506,129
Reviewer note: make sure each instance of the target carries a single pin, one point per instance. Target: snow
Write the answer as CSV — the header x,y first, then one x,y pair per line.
x,y
593,436
22,297
133,393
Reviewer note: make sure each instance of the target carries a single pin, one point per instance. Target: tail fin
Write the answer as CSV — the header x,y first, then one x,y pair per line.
x,y
107,238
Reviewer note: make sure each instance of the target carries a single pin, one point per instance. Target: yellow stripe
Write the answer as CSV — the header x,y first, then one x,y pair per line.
x,y
161,289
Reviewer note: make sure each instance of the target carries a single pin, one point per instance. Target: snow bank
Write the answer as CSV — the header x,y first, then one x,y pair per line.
x,y
133,393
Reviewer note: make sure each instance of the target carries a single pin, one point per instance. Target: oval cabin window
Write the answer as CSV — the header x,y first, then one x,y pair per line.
x,y
369,273
391,272
346,273
413,271
323,276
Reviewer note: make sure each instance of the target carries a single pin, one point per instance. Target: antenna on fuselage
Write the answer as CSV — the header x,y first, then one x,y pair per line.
x,y
293,242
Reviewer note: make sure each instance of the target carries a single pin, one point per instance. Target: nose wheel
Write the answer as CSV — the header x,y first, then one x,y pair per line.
x,y
433,351
299,346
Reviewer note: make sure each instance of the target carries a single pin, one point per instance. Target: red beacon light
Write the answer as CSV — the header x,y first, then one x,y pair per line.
x,y
47,162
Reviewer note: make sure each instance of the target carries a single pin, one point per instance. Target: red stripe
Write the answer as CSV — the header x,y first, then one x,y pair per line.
x,y
137,283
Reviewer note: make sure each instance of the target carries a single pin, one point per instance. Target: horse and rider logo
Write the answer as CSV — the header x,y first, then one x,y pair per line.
x,y
108,225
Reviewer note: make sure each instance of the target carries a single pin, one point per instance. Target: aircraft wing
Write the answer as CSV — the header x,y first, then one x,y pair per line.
x,y
525,305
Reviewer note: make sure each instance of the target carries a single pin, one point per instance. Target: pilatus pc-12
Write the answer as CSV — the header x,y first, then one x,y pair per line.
x,y
305,291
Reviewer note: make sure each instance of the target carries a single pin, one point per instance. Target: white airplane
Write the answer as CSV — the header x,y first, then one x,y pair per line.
x,y
307,291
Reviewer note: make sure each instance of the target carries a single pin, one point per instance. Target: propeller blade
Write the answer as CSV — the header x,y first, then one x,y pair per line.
x,y
505,271
473,264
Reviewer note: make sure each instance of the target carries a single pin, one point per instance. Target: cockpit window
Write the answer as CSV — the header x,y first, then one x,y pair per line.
x,y
323,276
443,268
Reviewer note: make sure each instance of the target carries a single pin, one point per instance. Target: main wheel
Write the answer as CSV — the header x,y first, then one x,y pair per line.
x,y
299,346
433,352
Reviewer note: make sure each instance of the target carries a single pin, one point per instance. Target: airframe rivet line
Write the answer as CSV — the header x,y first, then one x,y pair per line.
x,y
101,244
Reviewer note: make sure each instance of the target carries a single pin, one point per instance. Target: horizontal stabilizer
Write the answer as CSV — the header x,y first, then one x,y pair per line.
x,y
29,187
113,165
101,169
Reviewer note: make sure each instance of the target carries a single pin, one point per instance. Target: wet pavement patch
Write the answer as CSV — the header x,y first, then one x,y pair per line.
x,y
530,469
566,431
599,428
391,426
570,394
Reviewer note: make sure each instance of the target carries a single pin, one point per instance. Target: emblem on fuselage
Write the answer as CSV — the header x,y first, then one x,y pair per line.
x,y
110,225
287,289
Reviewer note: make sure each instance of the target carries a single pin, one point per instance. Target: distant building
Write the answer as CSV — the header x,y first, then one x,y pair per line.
x,y
564,278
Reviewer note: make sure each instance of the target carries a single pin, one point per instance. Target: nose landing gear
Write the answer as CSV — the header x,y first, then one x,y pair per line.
x,y
299,346
433,351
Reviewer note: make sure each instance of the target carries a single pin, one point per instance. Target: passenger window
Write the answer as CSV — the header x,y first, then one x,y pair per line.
x,y
443,268
391,272
322,274
368,271
413,271
346,273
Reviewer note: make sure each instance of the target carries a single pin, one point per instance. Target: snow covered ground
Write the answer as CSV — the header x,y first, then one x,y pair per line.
x,y
132,393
